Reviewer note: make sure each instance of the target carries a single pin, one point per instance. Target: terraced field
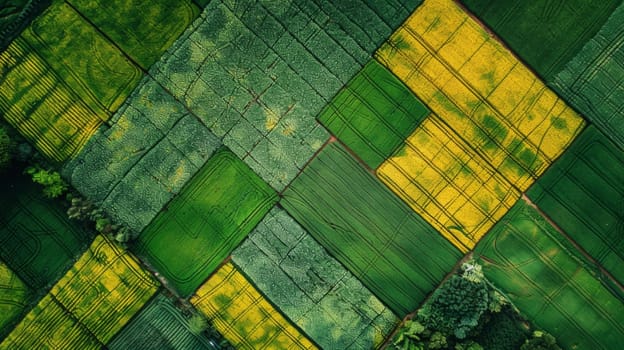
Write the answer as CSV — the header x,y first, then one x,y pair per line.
x,y
304,174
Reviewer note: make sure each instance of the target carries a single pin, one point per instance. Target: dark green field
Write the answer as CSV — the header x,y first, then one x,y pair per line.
x,y
392,250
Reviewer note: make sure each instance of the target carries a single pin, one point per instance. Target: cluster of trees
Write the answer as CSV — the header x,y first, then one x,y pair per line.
x,y
467,313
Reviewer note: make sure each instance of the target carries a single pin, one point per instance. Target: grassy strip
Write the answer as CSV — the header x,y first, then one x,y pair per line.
x,y
373,114
501,110
545,34
310,287
243,316
210,217
393,251
522,256
142,29
583,193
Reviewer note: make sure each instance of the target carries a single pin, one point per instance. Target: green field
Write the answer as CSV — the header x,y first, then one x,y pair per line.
x,y
49,326
14,296
142,29
37,240
392,250
310,287
592,81
91,65
214,212
522,256
373,114
104,289
545,34
583,193
160,325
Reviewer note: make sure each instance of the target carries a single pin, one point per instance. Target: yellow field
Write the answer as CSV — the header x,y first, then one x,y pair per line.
x,y
40,106
105,288
476,86
243,316
448,184
494,128
48,326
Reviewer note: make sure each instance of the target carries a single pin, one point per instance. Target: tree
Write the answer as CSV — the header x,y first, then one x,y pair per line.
x,y
455,307
540,341
53,184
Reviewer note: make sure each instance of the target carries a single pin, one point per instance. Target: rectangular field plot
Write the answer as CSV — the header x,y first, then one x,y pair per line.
x,y
522,257
545,34
141,159
310,287
448,184
104,289
392,250
41,106
14,295
592,81
243,316
37,240
84,59
214,212
373,114
501,110
142,29
160,325
583,193
49,326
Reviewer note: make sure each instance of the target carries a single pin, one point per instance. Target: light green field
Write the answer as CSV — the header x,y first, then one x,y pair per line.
x,y
214,212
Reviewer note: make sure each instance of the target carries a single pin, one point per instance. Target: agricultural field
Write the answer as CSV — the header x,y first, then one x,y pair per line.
x,y
592,80
393,251
135,166
522,256
545,34
373,114
159,325
200,227
242,314
96,70
143,30
311,174
88,305
37,240
37,102
583,193
310,287
14,295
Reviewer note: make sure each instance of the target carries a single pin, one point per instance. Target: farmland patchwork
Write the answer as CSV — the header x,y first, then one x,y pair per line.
x,y
304,174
